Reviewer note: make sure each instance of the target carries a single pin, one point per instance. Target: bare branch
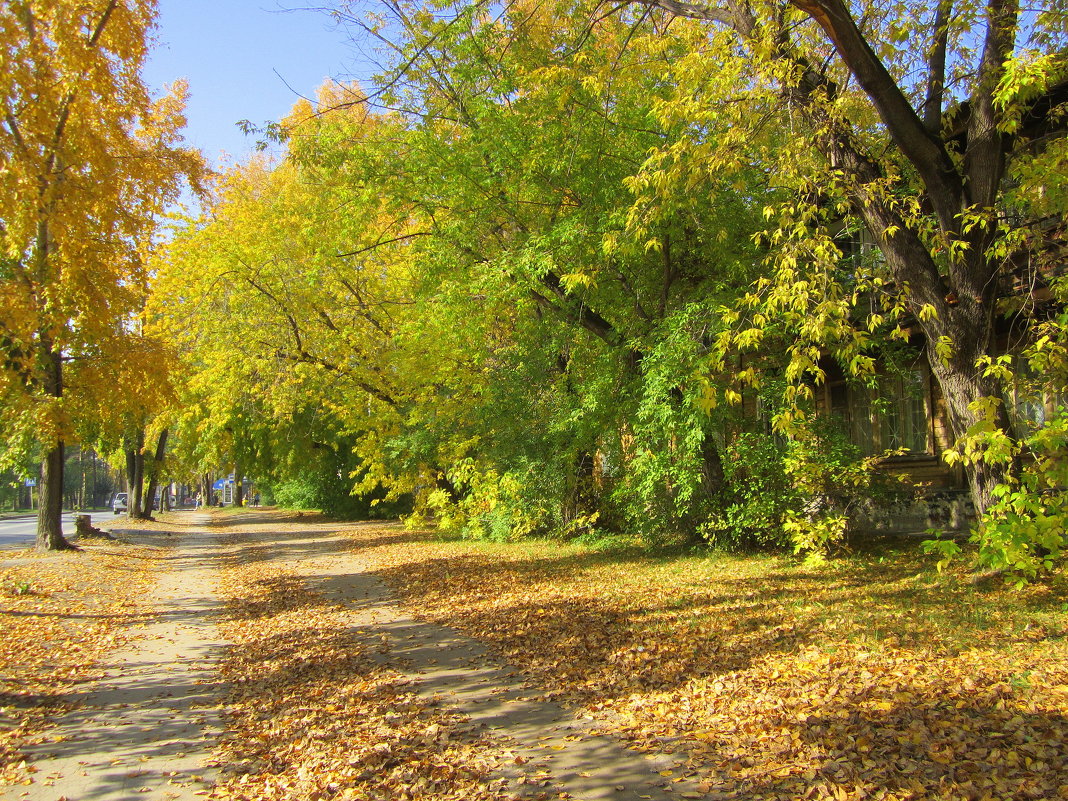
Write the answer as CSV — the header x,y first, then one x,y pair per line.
x,y
936,72
381,243
984,160
694,11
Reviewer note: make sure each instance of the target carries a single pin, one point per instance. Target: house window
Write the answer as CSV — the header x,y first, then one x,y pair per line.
x,y
893,416
905,417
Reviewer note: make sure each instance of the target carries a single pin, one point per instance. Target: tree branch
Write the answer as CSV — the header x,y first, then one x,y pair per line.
x,y
984,158
381,243
693,11
926,151
303,357
936,69
297,339
576,312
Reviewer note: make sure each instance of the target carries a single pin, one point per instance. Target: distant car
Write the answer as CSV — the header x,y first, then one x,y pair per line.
x,y
119,504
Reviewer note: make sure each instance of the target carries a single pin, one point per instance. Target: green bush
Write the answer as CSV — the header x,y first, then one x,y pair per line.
x,y
329,489
791,493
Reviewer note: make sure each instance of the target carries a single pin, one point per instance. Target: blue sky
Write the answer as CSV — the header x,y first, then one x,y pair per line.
x,y
230,52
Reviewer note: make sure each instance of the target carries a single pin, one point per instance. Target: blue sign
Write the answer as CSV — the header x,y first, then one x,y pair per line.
x,y
219,484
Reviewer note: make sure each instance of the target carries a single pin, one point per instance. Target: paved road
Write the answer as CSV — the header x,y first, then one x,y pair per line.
x,y
19,532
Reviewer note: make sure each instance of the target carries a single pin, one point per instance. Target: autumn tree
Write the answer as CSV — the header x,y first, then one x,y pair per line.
x,y
560,341
282,300
919,115
88,162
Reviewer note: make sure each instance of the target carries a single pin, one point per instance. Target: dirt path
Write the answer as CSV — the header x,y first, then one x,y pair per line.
x,y
148,729
552,753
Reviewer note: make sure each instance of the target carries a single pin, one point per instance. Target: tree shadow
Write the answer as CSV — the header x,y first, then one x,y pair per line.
x,y
934,745
553,616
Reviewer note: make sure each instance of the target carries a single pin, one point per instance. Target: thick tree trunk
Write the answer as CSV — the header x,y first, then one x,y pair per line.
x,y
50,488
153,474
50,497
961,383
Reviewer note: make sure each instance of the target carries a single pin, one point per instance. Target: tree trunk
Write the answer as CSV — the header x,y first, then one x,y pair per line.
x,y
239,486
581,499
83,485
135,476
153,474
50,488
50,503
961,383
712,477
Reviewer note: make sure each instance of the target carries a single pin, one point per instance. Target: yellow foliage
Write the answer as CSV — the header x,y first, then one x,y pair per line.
x,y
89,164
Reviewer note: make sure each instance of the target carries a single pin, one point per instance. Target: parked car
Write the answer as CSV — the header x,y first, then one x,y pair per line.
x,y
119,503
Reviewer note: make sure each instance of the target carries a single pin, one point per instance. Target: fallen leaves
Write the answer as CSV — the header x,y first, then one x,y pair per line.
x,y
766,681
867,680
313,716
59,613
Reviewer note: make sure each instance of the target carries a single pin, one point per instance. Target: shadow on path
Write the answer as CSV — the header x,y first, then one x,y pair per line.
x,y
146,729
463,674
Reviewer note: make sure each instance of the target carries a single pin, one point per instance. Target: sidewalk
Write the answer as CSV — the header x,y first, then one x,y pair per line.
x,y
150,729
541,749
147,729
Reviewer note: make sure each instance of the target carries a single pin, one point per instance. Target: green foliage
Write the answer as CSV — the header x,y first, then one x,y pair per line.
x,y
539,294
792,493
1023,531
326,483
759,498
296,493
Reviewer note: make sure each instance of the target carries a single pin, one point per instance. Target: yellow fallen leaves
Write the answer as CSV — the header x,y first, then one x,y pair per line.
x,y
313,716
59,613
868,680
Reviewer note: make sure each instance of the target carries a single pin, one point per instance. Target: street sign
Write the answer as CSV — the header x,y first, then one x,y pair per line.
x,y
31,482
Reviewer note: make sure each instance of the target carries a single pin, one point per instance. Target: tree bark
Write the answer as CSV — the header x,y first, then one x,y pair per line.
x,y
135,476
50,503
83,484
239,486
153,474
50,487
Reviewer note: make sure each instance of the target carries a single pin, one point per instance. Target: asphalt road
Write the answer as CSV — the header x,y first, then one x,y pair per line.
x,y
19,532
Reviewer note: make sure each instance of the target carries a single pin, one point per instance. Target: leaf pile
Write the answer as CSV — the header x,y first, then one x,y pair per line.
x,y
871,678
312,716
59,614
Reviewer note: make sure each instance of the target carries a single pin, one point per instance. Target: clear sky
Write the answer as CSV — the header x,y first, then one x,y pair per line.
x,y
245,60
